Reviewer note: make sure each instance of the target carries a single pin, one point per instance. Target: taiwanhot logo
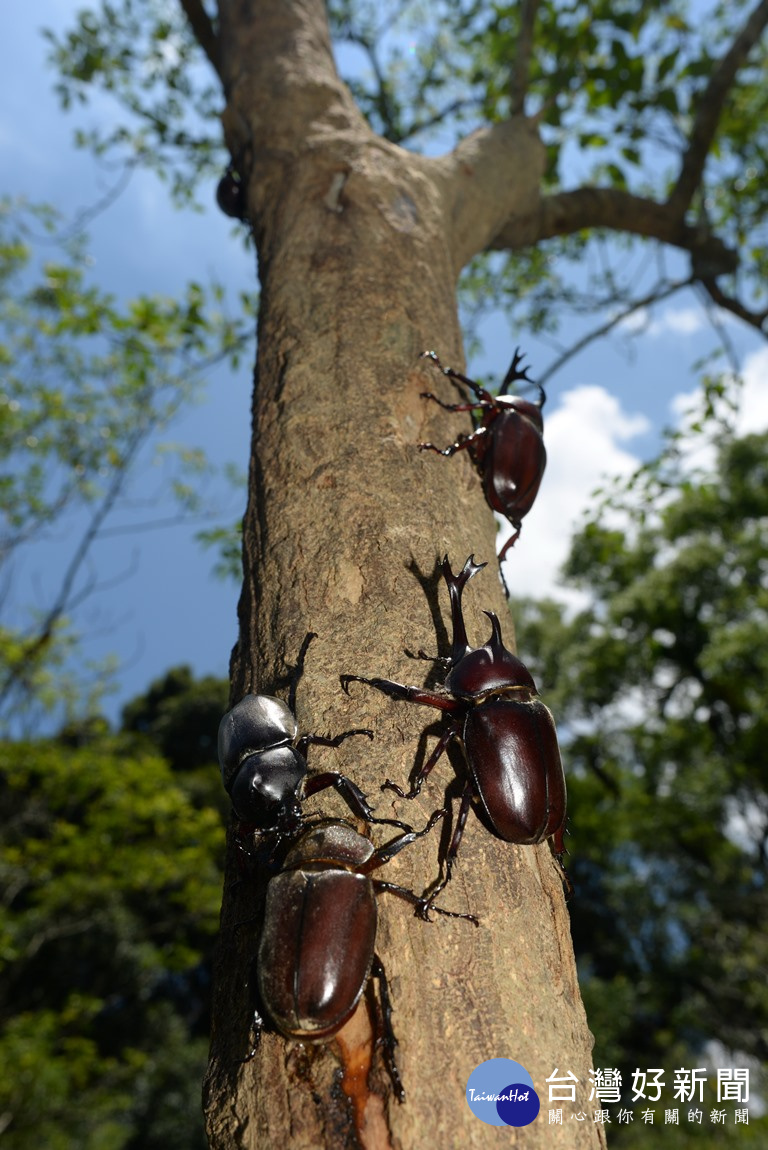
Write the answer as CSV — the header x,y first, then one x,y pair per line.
x,y
500,1093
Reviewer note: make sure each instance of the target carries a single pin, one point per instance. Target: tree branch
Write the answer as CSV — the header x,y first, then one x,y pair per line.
x,y
710,107
203,31
486,172
520,69
567,212
756,319
655,296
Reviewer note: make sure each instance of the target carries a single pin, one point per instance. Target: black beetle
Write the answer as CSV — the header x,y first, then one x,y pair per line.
x,y
264,765
317,943
506,734
507,448
230,194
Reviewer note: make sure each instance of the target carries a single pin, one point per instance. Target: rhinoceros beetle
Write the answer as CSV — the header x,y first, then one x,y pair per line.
x,y
506,734
508,446
316,952
317,949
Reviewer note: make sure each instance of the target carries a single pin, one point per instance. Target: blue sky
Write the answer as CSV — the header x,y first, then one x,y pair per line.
x,y
604,412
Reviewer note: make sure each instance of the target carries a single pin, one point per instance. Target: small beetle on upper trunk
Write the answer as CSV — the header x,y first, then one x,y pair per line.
x,y
506,734
230,194
316,952
507,448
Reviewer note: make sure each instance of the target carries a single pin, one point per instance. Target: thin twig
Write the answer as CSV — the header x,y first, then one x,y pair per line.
x,y
521,67
756,319
654,296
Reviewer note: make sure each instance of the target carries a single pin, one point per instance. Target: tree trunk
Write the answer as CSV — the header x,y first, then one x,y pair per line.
x,y
360,245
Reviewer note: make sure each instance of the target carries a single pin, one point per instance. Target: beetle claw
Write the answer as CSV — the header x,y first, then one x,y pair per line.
x,y
388,785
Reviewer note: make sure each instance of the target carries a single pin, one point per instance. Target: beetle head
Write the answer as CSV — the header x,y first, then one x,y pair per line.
x,y
524,407
483,670
332,843
264,789
255,724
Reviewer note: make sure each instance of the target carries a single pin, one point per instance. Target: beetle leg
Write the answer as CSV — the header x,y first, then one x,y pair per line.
x,y
425,770
461,443
418,901
254,1034
512,539
382,855
482,404
327,741
443,702
457,377
257,1022
443,660
557,843
353,795
427,903
388,1040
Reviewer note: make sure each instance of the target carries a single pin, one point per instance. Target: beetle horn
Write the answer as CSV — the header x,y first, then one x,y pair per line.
x,y
518,372
496,643
518,673
456,585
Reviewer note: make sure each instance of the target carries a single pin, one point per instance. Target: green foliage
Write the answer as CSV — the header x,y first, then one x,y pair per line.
x,y
110,878
616,87
89,384
228,542
144,55
658,689
180,715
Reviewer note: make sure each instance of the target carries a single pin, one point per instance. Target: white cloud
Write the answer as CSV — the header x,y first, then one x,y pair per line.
x,y
753,415
679,321
583,437
665,321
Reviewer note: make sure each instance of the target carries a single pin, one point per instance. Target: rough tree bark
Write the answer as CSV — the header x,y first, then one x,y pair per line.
x,y
360,244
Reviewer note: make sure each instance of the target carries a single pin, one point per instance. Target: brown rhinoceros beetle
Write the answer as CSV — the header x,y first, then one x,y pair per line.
x,y
316,951
317,948
506,734
507,448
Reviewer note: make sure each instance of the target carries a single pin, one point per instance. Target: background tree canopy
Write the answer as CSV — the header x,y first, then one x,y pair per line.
x,y
658,683
573,165
110,859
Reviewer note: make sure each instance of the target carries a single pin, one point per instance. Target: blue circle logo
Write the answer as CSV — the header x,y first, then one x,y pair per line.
x,y
518,1104
500,1093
